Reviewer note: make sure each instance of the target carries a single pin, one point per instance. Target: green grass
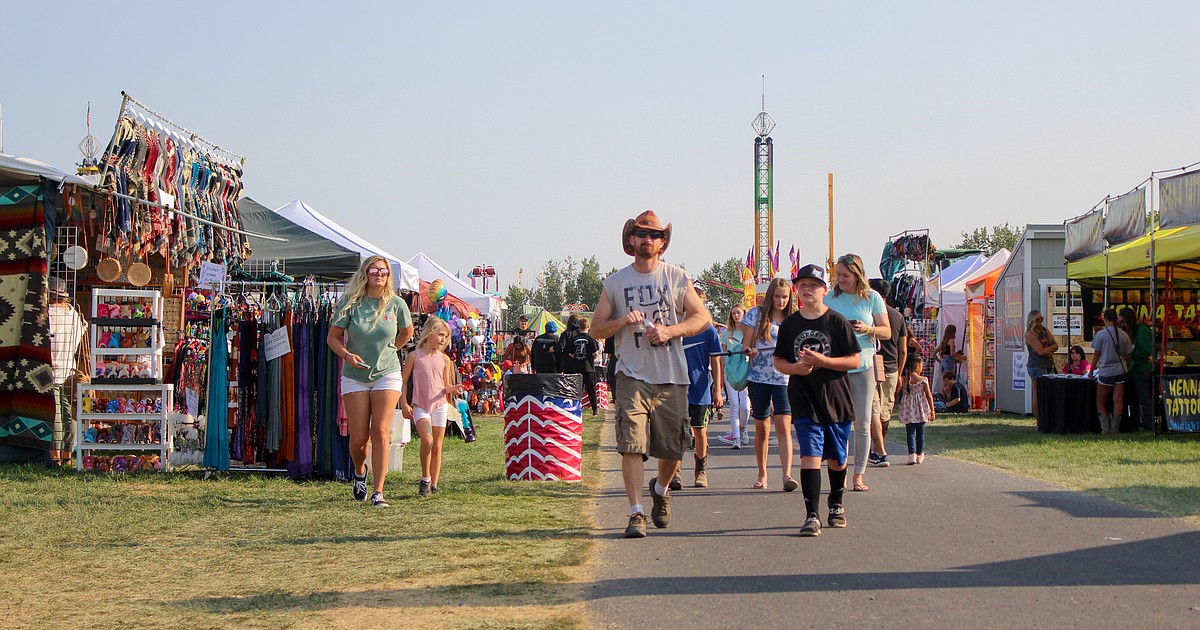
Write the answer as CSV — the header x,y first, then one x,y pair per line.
x,y
1159,473
97,550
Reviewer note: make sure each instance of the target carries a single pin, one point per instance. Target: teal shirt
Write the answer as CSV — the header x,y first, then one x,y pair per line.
x,y
374,341
864,310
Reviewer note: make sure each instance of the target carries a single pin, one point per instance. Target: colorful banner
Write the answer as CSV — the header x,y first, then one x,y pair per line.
x,y
1180,315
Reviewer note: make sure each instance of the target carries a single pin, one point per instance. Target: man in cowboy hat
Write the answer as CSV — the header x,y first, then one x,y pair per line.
x,y
648,308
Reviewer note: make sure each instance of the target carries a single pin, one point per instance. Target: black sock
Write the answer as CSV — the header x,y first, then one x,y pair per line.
x,y
810,485
837,486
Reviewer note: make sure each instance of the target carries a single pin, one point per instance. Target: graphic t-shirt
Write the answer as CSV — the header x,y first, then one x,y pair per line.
x,y
579,353
823,396
697,349
762,367
864,310
659,294
374,341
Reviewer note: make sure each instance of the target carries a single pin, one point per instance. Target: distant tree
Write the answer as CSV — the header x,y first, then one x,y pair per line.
x,y
1002,236
721,299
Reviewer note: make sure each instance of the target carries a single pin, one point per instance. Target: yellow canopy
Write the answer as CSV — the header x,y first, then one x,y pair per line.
x,y
1132,259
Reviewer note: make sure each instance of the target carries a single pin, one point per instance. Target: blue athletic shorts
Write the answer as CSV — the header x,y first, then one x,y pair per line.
x,y
827,441
768,400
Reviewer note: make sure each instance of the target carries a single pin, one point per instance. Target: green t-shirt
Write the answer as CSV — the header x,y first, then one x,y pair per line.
x,y
374,341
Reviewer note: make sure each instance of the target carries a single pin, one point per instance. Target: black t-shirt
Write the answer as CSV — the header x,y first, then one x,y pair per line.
x,y
579,353
888,347
823,396
544,355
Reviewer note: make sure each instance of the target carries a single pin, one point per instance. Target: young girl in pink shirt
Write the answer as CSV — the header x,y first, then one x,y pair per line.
x,y
433,391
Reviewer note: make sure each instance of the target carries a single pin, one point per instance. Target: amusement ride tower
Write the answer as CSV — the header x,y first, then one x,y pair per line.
x,y
764,228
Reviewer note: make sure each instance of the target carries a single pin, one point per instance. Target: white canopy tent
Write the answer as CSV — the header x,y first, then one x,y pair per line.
x,y
302,214
429,270
948,289
17,167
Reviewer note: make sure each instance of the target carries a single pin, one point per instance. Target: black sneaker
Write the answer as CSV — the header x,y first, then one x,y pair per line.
x,y
811,527
424,489
433,490
837,516
660,512
377,500
360,488
878,461
637,526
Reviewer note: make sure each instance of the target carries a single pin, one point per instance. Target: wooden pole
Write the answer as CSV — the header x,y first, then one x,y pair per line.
x,y
829,261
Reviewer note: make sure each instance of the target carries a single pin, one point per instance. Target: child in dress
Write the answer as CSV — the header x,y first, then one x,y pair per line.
x,y
916,408
433,390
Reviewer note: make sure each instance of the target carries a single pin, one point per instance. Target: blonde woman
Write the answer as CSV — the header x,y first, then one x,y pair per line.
x,y
767,386
853,298
434,386
1040,347
737,403
370,322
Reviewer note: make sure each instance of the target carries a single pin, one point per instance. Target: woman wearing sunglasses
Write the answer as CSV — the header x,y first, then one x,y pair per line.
x,y
370,322
853,298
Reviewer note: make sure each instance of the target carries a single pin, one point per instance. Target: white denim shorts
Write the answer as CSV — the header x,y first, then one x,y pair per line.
x,y
391,380
437,417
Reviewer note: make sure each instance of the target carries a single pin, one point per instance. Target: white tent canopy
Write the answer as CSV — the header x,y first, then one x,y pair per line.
x,y
302,214
430,271
940,291
27,168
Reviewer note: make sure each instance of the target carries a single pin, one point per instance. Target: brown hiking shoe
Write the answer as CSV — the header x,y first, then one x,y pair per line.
x,y
677,480
702,472
660,513
637,526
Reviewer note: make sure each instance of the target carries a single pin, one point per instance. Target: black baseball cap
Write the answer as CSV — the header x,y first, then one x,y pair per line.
x,y
816,272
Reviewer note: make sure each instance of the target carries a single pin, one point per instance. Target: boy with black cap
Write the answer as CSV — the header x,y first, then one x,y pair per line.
x,y
816,347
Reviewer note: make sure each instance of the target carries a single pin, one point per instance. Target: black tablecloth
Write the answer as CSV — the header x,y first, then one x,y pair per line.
x,y
1067,404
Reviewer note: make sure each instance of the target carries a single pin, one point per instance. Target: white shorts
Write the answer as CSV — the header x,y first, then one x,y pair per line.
x,y
437,417
391,380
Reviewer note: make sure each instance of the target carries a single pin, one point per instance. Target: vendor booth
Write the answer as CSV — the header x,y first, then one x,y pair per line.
x,y
429,270
1030,279
980,336
1155,271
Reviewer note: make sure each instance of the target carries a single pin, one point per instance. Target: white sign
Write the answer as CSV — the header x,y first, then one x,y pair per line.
x,y
1019,371
276,343
212,276
1060,325
193,402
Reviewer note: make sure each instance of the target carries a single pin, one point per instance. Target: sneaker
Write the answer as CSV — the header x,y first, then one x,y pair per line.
x,y
837,516
727,439
879,461
811,527
424,489
660,513
920,458
745,439
912,458
736,445
377,500
676,481
637,526
360,488
433,490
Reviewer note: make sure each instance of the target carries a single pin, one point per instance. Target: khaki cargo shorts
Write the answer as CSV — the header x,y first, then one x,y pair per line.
x,y
652,420
885,397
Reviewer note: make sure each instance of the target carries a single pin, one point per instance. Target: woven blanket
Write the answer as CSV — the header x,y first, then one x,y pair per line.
x,y
26,375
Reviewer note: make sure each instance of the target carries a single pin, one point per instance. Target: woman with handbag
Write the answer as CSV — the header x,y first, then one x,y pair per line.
x,y
853,298
737,401
767,386
1110,354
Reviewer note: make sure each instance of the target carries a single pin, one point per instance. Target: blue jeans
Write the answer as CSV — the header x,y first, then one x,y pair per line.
x,y
916,438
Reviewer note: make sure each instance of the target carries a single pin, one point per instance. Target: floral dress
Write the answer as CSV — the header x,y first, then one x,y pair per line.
x,y
914,406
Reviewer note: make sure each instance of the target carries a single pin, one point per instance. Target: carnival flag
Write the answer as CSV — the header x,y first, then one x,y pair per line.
x,y
794,256
750,259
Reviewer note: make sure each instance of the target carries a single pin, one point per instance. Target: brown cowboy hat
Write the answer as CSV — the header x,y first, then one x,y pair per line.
x,y
646,220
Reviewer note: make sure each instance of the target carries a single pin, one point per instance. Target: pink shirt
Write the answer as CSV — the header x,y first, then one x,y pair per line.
x,y
1081,369
429,379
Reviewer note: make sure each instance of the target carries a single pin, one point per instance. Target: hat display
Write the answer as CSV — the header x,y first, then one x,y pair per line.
x,y
647,221
816,272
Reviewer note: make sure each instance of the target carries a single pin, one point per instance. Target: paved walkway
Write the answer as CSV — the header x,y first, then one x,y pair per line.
x,y
943,544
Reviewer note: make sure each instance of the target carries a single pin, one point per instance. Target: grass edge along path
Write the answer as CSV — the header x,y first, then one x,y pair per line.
x,y
1139,469
244,550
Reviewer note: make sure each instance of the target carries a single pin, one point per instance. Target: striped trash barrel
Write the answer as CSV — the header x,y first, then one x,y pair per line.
x,y
543,427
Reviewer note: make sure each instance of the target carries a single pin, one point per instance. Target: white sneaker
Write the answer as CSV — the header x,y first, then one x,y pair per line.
x,y
745,439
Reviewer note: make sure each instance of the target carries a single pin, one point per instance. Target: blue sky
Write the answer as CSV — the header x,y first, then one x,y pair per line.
x,y
510,133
